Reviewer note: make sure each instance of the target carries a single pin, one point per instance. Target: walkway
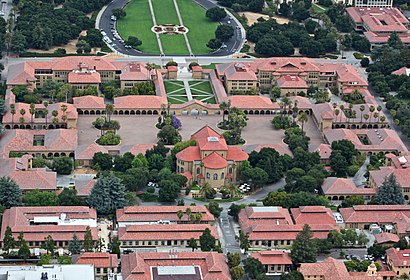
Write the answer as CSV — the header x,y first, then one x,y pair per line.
x,y
182,23
187,89
154,21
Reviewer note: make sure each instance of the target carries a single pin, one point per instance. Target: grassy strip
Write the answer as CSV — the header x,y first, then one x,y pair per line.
x,y
165,12
138,22
205,86
174,44
201,29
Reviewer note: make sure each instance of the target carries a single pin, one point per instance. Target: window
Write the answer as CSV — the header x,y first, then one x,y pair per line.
x,y
230,170
105,270
223,175
198,170
182,170
182,242
208,176
130,243
215,176
279,267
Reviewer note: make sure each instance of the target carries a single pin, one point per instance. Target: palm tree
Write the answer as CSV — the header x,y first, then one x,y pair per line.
x,y
382,118
371,109
396,122
366,116
188,212
379,108
207,190
55,121
337,112
109,110
13,112
21,120
376,116
232,190
22,113
46,112
64,118
149,67
32,112
225,106
63,108
303,118
180,214
362,108
243,239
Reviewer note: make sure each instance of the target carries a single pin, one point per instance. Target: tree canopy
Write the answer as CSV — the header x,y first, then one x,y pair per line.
x,y
390,192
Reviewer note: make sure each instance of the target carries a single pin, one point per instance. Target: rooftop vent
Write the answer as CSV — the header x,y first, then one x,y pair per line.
x,y
213,139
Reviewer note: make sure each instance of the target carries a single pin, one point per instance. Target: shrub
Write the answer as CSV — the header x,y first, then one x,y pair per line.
x,y
109,139
352,170
151,190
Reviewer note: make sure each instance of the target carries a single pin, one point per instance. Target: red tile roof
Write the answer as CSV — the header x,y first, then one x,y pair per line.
x,y
236,154
84,187
266,215
98,259
138,266
377,38
402,71
313,215
386,237
137,148
153,232
328,269
344,186
292,82
89,77
89,102
324,151
375,213
252,102
236,71
209,140
18,219
134,71
398,257
141,214
189,154
402,176
87,152
214,161
139,102
273,257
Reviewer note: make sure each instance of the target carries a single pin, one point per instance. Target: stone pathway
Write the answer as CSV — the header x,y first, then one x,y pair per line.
x,y
187,89
154,21
185,36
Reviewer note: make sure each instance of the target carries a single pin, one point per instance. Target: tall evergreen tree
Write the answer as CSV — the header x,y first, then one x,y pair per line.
x,y
88,244
10,193
207,241
390,192
8,240
24,250
48,245
303,248
114,246
107,195
74,246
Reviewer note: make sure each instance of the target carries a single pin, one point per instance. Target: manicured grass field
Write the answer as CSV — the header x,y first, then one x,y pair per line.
x,y
202,90
201,29
138,22
173,86
165,12
174,44
175,92
201,86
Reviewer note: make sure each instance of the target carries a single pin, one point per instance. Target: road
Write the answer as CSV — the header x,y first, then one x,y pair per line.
x,y
233,45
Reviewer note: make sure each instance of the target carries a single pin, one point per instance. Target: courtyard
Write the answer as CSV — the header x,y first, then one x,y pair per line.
x,y
143,15
179,92
142,130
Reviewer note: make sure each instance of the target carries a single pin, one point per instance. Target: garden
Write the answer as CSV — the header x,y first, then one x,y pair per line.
x,y
199,90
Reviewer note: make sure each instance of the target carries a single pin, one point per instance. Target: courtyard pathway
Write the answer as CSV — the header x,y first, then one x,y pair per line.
x,y
154,21
182,23
188,89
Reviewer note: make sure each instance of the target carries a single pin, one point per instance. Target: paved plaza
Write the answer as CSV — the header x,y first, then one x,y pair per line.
x,y
142,130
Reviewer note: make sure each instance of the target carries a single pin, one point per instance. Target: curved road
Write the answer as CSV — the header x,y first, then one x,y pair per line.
x,y
233,45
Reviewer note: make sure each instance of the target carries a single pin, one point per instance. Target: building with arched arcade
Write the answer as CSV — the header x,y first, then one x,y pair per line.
x,y
211,160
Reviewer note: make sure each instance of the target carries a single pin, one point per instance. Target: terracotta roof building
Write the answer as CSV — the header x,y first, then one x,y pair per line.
x,y
333,269
84,154
178,265
237,77
313,215
60,222
27,178
398,260
377,177
158,235
276,262
291,85
134,215
386,238
104,263
338,189
212,160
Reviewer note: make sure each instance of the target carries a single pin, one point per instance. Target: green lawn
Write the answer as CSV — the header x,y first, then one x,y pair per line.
x,y
173,86
209,66
138,22
173,44
175,92
165,12
202,90
201,30
200,85
319,9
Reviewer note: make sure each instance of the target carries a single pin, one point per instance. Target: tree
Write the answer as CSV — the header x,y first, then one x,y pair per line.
x,y
68,197
103,161
234,210
215,209
293,275
48,245
40,198
237,272
303,248
216,14
18,42
10,193
390,192
253,267
134,41
180,214
312,48
62,165
274,46
303,118
169,135
214,44
107,195
74,246
207,241
394,41
364,62
114,245
119,13
139,161
193,244
243,239
234,259
88,243
168,191
339,164
24,250
224,32
8,240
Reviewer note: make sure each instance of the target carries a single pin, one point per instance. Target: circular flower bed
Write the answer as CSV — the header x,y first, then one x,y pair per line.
x,y
109,139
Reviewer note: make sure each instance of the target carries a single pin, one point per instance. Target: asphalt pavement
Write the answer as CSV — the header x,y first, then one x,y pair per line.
x,y
104,23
